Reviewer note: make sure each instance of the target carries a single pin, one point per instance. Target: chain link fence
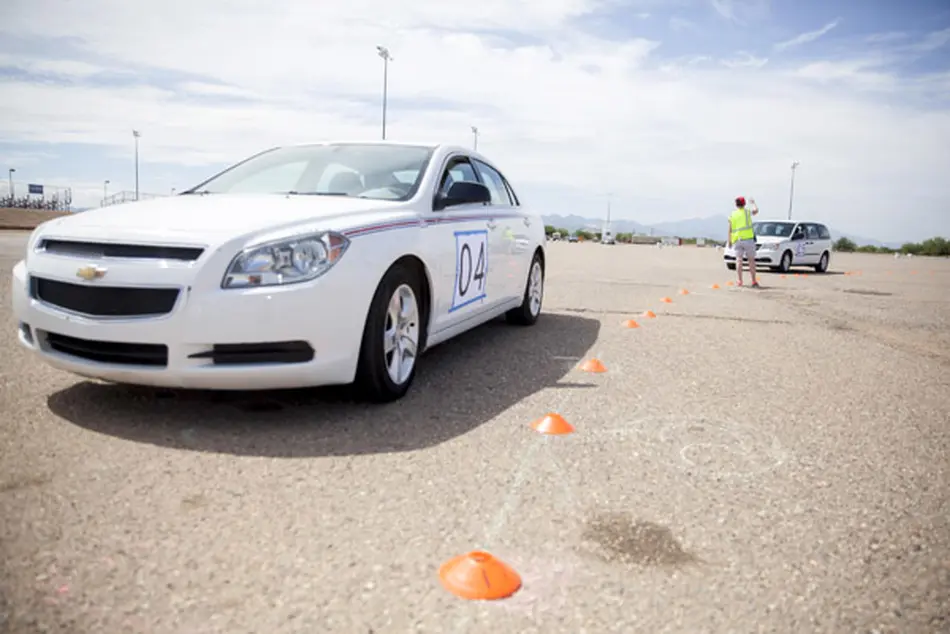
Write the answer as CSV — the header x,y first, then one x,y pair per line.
x,y
33,196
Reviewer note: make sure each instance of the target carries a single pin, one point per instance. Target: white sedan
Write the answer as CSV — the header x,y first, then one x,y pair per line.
x,y
310,265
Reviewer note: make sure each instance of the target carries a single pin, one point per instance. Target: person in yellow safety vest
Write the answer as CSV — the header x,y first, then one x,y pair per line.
x,y
742,238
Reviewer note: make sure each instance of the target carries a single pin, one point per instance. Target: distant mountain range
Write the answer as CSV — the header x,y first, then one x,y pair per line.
x,y
712,227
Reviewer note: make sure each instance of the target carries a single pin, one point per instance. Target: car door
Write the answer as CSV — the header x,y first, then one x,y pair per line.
x,y
509,239
824,240
812,243
460,237
799,255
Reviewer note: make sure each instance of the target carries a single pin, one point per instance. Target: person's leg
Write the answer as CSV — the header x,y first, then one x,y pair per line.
x,y
740,254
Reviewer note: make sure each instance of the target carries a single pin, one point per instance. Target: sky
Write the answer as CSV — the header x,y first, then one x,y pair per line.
x,y
672,107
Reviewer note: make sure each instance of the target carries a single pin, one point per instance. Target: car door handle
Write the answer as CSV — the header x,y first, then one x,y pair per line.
x,y
491,224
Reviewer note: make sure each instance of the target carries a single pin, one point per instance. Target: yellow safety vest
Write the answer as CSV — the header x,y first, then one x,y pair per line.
x,y
741,221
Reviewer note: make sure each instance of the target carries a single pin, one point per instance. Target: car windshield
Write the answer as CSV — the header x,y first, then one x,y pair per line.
x,y
373,170
773,229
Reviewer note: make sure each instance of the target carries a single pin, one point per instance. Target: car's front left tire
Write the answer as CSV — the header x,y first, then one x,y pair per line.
x,y
529,311
393,337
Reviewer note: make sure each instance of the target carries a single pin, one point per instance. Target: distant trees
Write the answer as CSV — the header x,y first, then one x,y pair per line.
x,y
937,247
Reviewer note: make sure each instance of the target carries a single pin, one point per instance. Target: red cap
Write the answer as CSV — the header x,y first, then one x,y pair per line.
x,y
740,201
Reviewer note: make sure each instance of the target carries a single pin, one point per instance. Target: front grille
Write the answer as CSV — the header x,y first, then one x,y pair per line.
x,y
108,250
149,354
104,301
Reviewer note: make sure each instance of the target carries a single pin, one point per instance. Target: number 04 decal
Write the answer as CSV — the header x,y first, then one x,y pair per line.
x,y
471,267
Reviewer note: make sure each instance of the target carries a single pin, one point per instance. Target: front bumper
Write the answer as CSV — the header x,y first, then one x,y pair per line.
x,y
188,347
762,256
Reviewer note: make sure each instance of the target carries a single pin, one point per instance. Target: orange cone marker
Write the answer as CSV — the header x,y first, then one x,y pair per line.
x,y
666,300
553,424
649,314
715,286
631,324
479,575
683,291
593,365
730,283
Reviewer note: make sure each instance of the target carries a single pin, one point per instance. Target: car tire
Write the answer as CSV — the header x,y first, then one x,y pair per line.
x,y
822,265
529,311
374,381
786,262
731,266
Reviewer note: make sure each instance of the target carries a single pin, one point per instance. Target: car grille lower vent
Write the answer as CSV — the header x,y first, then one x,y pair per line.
x,y
150,354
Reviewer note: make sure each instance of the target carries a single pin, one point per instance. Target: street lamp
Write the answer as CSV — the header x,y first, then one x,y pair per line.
x,y
136,134
105,192
475,134
791,193
383,52
10,175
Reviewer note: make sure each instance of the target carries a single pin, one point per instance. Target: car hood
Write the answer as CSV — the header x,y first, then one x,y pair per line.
x,y
213,218
769,239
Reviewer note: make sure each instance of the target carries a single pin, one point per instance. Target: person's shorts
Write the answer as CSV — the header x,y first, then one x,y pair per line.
x,y
744,248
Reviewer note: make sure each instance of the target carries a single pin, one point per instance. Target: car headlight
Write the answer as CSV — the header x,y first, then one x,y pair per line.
x,y
769,246
287,261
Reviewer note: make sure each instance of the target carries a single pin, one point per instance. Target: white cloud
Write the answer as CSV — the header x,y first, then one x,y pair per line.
x,y
744,59
669,139
809,36
741,11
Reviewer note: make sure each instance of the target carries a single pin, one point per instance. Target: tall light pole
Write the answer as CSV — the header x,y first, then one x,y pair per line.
x,y
607,226
791,192
383,52
10,175
136,134
475,135
105,192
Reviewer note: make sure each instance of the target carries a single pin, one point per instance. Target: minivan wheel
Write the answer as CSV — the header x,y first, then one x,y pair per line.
x,y
392,337
731,266
822,265
786,262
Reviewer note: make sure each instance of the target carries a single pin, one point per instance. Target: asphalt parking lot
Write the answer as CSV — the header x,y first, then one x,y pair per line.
x,y
773,460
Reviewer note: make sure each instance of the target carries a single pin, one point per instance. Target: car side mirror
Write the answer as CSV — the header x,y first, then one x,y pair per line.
x,y
464,193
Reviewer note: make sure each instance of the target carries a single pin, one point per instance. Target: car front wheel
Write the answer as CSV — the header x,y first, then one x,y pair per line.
x,y
530,309
822,265
392,337
786,262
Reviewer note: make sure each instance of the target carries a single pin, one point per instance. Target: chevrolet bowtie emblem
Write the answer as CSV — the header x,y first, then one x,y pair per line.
x,y
90,273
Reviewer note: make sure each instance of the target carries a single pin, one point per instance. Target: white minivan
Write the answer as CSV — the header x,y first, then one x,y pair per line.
x,y
782,244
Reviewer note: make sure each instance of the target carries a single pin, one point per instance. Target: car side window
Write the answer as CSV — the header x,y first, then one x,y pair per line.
x,y
798,233
823,232
495,184
811,232
458,170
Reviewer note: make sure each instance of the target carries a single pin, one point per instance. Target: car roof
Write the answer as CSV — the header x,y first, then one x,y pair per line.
x,y
438,148
786,220
432,145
